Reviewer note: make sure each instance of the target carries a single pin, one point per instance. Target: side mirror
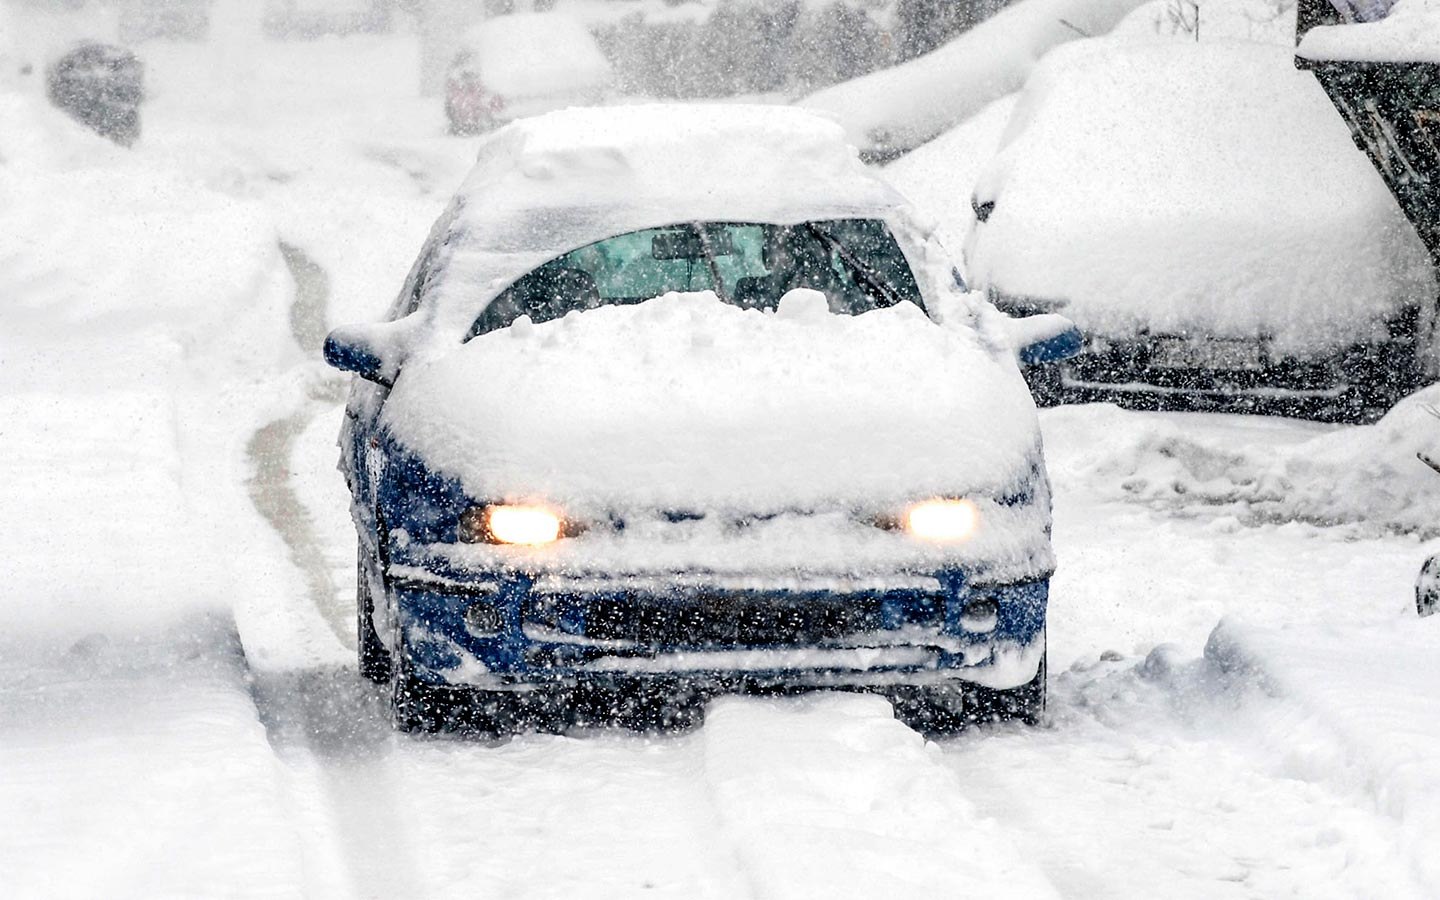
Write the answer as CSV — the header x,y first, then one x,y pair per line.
x,y
355,348
1044,338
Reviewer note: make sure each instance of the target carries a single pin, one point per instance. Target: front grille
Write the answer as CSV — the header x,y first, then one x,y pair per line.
x,y
711,619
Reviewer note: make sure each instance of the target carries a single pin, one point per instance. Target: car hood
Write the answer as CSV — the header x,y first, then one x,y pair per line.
x,y
684,402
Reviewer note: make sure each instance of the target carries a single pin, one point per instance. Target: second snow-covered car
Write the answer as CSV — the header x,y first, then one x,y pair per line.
x,y
1221,243
679,401
522,64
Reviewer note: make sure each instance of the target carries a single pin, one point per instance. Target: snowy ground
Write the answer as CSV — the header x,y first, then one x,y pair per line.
x,y
1240,696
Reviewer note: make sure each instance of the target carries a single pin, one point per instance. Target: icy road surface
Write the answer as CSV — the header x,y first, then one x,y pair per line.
x,y
1239,708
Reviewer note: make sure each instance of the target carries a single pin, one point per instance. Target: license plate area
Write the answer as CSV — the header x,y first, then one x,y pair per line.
x,y
1230,355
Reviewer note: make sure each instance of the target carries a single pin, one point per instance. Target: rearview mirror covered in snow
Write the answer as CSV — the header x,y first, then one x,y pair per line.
x,y
1044,338
356,348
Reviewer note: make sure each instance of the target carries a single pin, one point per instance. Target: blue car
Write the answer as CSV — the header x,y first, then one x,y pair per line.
x,y
680,401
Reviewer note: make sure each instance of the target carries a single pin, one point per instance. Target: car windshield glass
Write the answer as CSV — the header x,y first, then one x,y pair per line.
x,y
856,263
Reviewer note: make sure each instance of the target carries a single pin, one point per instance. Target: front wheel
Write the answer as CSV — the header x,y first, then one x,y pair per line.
x,y
950,707
374,658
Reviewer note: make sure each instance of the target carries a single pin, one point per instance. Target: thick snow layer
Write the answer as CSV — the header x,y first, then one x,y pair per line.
x,y
536,54
1410,32
1367,478
545,186
1193,187
903,107
684,400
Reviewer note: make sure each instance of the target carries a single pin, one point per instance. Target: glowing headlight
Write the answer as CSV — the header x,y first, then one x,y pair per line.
x,y
510,525
942,520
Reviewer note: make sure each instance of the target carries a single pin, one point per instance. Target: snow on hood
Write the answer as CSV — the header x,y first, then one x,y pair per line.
x,y
1193,187
685,402
542,187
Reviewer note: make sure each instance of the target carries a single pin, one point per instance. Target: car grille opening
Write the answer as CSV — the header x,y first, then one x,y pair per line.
x,y
706,619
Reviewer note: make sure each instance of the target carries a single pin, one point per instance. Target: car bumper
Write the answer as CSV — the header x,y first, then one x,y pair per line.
x,y
517,631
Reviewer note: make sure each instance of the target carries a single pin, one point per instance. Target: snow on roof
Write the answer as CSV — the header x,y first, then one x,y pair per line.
x,y
1186,186
535,54
545,186
1410,32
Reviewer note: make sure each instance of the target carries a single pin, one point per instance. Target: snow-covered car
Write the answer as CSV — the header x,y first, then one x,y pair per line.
x,y
101,86
523,64
677,401
1202,214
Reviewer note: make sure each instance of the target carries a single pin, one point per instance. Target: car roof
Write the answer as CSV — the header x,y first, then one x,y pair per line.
x,y
542,187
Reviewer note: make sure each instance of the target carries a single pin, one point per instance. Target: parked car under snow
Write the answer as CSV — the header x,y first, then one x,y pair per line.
x,y
523,64
1200,212
678,401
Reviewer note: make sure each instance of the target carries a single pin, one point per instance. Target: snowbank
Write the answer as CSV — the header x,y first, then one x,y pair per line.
x,y
685,400
1410,32
1193,187
1365,477
894,110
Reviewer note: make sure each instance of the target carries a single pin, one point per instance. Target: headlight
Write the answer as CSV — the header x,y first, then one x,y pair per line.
x,y
507,524
942,520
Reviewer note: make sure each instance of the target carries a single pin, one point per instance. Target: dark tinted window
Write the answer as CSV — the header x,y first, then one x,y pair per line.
x,y
856,263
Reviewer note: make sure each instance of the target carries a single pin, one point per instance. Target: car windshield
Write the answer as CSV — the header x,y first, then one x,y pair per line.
x,y
856,263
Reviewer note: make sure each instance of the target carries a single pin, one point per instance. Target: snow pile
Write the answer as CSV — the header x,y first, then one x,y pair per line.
x,y
685,400
1409,33
1367,477
544,186
1193,187
900,108
536,54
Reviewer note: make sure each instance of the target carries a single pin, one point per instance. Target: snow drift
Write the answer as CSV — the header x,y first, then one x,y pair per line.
x,y
1367,478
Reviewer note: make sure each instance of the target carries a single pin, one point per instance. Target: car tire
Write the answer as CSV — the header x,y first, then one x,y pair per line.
x,y
1383,374
374,658
951,707
418,707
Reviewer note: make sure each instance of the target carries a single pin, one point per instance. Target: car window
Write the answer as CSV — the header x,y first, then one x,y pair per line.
x,y
856,263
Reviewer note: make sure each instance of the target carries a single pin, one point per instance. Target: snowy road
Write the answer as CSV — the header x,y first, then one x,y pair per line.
x,y
179,710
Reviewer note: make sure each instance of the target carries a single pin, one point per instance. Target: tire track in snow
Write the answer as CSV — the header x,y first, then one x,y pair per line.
x,y
270,448
828,795
1154,780
326,724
